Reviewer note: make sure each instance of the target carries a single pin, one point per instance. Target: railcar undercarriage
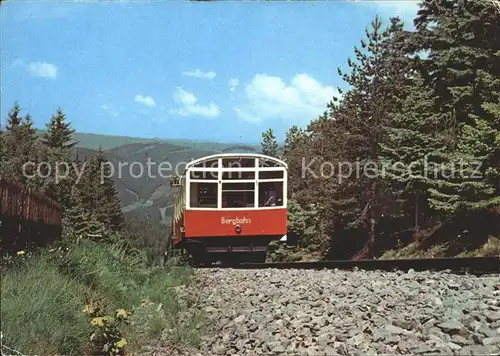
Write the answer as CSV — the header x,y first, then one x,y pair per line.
x,y
228,249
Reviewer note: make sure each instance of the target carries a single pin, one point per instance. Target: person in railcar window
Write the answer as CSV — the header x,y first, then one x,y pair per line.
x,y
271,197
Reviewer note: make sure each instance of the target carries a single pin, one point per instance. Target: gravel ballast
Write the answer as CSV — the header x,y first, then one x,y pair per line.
x,y
332,312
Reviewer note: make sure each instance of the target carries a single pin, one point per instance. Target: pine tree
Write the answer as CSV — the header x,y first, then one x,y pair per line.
x,y
74,220
85,215
78,222
30,152
11,156
14,120
58,139
59,134
293,139
18,146
412,138
3,152
269,144
375,80
98,194
294,149
109,207
463,42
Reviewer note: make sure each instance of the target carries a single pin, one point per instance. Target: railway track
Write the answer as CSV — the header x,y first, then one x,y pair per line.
x,y
458,265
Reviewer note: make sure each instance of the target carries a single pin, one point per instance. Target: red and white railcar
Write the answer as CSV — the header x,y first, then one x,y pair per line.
x,y
230,205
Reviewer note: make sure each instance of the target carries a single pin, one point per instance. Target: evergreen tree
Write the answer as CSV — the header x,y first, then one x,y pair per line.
x,y
463,67
86,214
109,207
293,139
375,81
269,144
18,147
412,138
59,134
79,222
3,152
58,138
14,119
294,149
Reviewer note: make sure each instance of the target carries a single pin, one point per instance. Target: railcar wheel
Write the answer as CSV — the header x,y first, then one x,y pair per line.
x,y
259,257
231,259
196,260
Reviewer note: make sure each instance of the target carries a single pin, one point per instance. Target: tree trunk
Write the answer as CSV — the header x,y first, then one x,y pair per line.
x,y
372,224
417,203
372,232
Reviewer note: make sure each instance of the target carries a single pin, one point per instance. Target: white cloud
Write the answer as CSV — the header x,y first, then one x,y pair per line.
x,y
268,97
190,107
233,84
145,100
42,69
200,74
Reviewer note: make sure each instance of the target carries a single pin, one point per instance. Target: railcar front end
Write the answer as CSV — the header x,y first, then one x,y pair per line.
x,y
230,207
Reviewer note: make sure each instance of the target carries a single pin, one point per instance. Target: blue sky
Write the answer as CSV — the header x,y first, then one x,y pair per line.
x,y
222,71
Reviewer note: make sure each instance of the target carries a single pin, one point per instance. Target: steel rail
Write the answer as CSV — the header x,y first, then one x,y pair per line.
x,y
470,265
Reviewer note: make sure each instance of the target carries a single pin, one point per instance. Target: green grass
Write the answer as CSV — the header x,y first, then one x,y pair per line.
x,y
412,250
490,249
43,297
42,310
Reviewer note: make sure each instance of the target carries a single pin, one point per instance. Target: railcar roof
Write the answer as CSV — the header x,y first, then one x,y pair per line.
x,y
233,155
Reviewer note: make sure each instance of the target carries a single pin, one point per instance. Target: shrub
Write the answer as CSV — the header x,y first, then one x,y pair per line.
x,y
309,224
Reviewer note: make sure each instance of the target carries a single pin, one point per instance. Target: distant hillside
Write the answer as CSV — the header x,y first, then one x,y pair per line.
x,y
108,142
143,193
136,189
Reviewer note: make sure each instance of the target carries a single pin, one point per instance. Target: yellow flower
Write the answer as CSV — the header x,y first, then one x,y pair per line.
x,y
100,321
121,343
20,253
121,312
88,309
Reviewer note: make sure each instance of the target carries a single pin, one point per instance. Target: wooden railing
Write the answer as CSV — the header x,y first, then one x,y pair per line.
x,y
27,219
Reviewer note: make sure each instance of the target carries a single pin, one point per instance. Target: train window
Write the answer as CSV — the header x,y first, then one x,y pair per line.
x,y
238,162
203,195
237,187
270,174
270,194
213,163
237,175
238,195
268,163
206,175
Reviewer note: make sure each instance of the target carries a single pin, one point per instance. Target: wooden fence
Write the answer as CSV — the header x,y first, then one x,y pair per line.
x,y
27,219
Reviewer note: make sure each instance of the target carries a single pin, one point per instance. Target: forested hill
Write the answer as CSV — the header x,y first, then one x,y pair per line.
x,y
137,190
107,142
409,156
